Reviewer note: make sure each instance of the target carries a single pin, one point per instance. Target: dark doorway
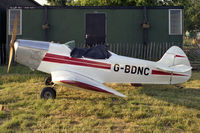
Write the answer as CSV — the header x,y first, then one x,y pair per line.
x,y
95,29
2,36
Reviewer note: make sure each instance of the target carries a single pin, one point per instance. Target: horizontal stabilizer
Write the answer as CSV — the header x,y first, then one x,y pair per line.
x,y
177,68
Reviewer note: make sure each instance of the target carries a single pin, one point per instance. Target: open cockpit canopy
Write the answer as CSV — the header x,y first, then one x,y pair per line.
x,y
70,44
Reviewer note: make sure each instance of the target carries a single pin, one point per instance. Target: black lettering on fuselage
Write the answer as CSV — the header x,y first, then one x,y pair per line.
x,y
140,70
132,69
116,67
127,69
146,71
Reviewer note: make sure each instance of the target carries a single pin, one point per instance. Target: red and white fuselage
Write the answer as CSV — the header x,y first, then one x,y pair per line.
x,y
53,58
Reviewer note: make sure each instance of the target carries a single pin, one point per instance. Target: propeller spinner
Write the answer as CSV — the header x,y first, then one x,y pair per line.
x,y
12,41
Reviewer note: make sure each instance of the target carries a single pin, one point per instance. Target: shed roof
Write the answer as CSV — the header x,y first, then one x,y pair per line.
x,y
100,7
13,3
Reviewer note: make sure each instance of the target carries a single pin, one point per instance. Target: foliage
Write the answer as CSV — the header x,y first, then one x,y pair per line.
x,y
151,108
104,2
192,16
113,2
57,2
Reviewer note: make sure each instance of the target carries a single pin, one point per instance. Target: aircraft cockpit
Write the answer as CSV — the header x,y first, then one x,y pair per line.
x,y
96,52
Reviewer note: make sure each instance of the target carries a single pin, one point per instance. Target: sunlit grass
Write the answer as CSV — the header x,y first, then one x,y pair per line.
x,y
151,108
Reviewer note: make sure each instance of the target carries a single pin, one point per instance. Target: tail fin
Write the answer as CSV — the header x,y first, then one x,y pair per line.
x,y
176,62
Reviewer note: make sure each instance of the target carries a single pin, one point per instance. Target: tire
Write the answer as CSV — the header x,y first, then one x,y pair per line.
x,y
48,81
54,90
47,93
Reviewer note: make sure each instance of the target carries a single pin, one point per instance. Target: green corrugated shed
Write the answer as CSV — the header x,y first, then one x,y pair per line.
x,y
4,5
123,28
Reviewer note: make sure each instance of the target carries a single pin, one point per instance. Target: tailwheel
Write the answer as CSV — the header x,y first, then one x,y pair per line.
x,y
48,81
48,92
179,86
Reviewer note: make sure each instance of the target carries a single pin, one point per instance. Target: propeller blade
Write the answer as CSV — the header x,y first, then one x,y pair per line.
x,y
12,41
10,58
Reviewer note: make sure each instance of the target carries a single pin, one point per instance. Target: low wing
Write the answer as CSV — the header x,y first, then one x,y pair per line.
x,y
78,80
177,68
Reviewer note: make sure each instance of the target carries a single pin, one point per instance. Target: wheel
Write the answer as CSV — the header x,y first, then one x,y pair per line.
x,y
54,90
47,93
48,81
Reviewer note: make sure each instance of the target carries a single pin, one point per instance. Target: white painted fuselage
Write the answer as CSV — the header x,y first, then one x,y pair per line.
x,y
116,69
90,74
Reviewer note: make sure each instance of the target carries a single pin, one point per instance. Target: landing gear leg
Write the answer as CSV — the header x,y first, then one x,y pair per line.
x,y
48,81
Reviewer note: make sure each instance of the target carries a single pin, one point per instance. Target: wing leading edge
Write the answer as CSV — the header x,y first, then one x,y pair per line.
x,y
78,80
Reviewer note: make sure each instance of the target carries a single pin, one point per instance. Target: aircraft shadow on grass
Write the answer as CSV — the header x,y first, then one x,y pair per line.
x,y
188,97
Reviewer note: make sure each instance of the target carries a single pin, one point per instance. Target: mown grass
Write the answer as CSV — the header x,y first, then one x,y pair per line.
x,y
151,108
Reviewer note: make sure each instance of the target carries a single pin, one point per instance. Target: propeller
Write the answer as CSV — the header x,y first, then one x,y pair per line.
x,y
12,41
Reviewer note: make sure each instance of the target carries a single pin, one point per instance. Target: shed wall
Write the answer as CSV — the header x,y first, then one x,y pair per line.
x,y
124,33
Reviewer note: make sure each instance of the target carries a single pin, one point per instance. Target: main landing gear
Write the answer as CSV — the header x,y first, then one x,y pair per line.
x,y
48,81
48,92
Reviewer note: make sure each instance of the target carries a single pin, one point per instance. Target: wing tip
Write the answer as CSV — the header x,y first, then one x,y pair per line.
x,y
121,95
124,96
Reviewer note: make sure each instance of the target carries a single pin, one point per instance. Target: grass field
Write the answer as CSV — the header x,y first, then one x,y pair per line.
x,y
151,108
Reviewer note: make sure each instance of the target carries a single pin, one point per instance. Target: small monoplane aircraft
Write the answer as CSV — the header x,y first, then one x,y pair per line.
x,y
90,68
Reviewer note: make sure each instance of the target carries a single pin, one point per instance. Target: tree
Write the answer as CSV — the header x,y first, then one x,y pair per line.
x,y
104,2
57,2
192,16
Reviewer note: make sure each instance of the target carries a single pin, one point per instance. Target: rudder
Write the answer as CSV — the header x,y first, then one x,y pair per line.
x,y
176,61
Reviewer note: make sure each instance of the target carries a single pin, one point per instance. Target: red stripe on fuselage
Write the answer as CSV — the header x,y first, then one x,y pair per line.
x,y
157,72
75,61
180,56
84,86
